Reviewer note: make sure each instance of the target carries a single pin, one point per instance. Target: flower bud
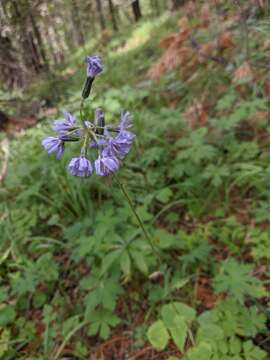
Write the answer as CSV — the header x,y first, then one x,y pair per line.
x,y
99,121
87,87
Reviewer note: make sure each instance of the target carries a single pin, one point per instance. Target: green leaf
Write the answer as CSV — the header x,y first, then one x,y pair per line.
x,y
253,352
140,261
179,331
103,291
70,324
169,311
101,321
235,345
108,260
203,351
236,278
4,341
210,332
7,314
166,240
125,263
39,299
158,335
164,195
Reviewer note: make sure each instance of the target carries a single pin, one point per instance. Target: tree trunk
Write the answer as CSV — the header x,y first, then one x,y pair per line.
x,y
136,10
177,3
40,44
100,15
77,31
11,73
30,55
113,17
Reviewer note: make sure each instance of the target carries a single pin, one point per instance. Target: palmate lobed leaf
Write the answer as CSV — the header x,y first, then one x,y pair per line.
x,y
101,321
236,279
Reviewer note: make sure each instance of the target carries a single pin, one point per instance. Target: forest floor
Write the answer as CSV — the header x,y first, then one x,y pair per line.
x,y
78,278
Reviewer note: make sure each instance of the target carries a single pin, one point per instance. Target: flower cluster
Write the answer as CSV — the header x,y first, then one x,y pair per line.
x,y
111,143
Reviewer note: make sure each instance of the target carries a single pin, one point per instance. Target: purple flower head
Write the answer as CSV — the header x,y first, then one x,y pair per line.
x,y
80,166
54,145
66,124
118,147
94,66
106,165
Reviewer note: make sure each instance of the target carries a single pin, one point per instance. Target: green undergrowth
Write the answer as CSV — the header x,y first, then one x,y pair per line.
x,y
74,267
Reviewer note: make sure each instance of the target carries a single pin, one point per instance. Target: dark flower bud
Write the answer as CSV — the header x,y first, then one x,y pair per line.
x,y
87,87
99,121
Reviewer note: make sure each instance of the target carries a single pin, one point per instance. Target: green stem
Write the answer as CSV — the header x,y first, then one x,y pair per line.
x,y
81,112
150,241
68,337
132,207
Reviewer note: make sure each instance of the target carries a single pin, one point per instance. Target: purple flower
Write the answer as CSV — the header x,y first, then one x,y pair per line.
x,y
88,124
125,120
125,135
106,165
118,147
66,124
125,123
94,66
53,144
99,143
80,166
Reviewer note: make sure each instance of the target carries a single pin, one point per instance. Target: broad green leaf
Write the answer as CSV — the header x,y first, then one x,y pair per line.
x,y
210,332
169,311
158,335
202,351
164,195
179,330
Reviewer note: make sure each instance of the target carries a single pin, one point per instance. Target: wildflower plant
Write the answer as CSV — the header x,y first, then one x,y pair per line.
x,y
111,143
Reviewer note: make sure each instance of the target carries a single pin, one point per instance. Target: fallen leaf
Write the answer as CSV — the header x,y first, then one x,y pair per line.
x,y
196,115
225,40
243,73
205,14
183,23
